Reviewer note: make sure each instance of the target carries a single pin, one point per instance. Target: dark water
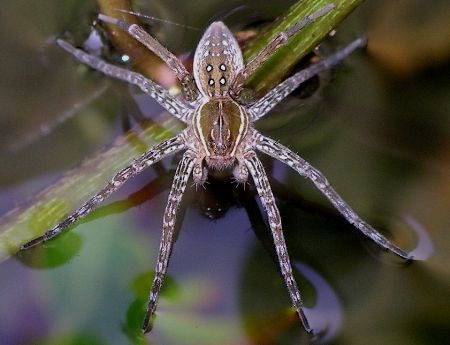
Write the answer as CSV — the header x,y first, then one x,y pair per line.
x,y
378,128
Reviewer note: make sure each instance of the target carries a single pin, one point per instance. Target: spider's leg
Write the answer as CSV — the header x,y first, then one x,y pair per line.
x,y
157,92
190,91
256,169
277,42
182,174
283,154
279,92
142,162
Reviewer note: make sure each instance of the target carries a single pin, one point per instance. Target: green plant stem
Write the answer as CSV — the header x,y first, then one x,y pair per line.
x,y
53,204
278,66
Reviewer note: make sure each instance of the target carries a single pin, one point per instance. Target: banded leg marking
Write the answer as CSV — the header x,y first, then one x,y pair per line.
x,y
256,169
139,34
182,174
153,155
276,43
178,109
282,90
283,154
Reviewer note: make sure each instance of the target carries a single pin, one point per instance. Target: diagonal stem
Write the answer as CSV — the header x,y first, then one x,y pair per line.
x,y
155,154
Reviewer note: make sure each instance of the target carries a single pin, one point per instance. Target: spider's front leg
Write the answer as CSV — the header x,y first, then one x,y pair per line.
x,y
261,181
283,154
182,174
153,155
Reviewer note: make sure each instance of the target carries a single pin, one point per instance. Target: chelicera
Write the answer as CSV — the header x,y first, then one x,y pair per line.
x,y
219,136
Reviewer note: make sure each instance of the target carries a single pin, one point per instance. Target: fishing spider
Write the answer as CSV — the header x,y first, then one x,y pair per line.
x,y
219,136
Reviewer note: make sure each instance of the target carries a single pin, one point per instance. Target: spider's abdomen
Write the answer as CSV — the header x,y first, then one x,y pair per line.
x,y
217,60
220,125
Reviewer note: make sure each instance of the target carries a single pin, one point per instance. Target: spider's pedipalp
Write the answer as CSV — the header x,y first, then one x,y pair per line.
x,y
182,174
177,108
240,173
153,155
256,169
283,154
199,173
186,79
282,90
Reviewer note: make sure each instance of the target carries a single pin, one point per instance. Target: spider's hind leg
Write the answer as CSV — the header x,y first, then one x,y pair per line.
x,y
174,106
282,90
276,43
186,80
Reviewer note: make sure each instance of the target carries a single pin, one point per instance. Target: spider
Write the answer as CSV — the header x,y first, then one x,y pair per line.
x,y
219,136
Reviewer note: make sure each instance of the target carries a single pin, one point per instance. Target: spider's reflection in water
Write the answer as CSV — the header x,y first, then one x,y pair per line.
x,y
213,202
219,196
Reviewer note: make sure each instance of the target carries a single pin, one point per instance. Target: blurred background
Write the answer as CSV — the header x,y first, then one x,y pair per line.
x,y
377,127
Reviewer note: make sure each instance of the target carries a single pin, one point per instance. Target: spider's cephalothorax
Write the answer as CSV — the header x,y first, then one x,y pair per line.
x,y
220,126
219,135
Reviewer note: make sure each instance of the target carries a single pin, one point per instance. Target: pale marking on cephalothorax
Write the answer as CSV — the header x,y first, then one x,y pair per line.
x,y
198,126
220,118
220,122
242,128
